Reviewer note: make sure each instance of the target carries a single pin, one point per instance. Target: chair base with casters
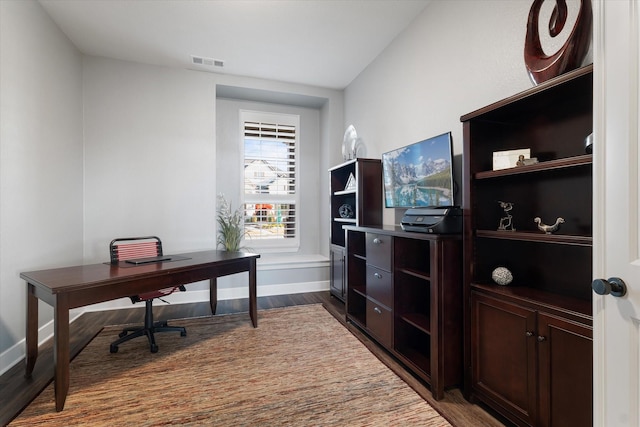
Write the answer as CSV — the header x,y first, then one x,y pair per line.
x,y
147,249
149,329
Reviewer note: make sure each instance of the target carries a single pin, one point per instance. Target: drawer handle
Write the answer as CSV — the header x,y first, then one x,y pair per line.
x,y
377,310
377,241
378,275
529,333
541,338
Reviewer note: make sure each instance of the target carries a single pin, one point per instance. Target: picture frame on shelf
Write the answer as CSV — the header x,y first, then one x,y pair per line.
x,y
510,158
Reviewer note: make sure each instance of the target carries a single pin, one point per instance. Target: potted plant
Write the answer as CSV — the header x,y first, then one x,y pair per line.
x,y
230,226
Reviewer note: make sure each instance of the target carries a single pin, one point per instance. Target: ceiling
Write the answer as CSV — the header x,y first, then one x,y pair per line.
x,y
324,43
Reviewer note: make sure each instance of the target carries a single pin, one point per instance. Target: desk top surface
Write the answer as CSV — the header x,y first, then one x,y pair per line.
x,y
68,278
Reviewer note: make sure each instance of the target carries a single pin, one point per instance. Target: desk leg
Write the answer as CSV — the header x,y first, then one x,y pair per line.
x,y
253,305
213,294
31,338
61,349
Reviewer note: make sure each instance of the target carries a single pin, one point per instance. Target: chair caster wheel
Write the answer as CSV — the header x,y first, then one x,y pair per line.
x,y
183,333
122,334
154,348
113,348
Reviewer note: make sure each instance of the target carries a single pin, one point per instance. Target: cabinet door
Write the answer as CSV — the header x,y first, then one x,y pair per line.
x,y
337,282
565,352
503,358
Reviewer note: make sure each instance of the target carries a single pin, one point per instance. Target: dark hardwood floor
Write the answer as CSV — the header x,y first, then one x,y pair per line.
x,y
16,392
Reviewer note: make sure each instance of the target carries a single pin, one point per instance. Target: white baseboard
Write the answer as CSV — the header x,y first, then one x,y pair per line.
x,y
243,292
16,353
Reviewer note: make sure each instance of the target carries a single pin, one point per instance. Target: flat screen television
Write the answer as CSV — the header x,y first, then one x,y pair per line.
x,y
420,174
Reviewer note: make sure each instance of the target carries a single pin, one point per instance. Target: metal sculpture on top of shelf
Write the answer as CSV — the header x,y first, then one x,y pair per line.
x,y
506,222
548,229
352,145
542,67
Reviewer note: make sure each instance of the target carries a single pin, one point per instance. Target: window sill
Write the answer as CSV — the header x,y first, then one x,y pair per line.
x,y
280,262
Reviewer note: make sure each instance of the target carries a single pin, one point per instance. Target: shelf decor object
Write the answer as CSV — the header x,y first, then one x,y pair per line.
x,y
510,158
502,276
548,229
588,144
540,66
506,222
352,146
351,183
346,211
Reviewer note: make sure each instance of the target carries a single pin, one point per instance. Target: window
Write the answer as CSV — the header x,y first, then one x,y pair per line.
x,y
270,179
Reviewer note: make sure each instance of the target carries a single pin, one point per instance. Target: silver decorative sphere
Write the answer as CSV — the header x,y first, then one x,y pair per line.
x,y
502,276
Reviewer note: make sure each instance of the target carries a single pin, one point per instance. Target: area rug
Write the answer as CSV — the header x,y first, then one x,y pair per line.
x,y
300,367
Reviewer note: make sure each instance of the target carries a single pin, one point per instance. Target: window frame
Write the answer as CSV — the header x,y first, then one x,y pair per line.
x,y
278,244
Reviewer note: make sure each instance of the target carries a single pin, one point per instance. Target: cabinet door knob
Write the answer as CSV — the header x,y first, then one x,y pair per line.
x,y
377,241
529,333
377,275
377,310
541,338
614,286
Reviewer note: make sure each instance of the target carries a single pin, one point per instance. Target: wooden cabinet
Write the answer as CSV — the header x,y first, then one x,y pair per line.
x,y
530,363
528,347
405,290
356,198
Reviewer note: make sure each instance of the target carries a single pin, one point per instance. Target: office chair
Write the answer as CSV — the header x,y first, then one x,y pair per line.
x,y
144,249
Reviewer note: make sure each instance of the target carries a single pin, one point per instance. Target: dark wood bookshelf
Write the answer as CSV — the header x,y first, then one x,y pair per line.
x,y
365,200
538,328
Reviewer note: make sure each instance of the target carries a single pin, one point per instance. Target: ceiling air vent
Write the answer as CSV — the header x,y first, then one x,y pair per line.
x,y
208,62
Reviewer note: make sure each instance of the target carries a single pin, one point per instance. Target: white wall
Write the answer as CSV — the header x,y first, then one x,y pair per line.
x,y
40,160
151,147
456,57
149,135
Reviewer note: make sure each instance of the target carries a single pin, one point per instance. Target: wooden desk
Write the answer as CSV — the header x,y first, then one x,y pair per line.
x,y
71,287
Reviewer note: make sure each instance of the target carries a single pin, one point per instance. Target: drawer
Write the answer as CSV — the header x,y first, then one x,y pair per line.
x,y
379,285
379,323
378,248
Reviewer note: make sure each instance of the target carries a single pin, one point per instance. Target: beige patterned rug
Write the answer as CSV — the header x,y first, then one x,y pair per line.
x,y
300,367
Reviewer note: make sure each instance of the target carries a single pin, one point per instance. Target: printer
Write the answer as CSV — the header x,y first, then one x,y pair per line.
x,y
436,220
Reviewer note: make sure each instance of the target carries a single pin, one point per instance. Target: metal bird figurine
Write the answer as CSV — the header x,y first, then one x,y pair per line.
x,y
548,228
